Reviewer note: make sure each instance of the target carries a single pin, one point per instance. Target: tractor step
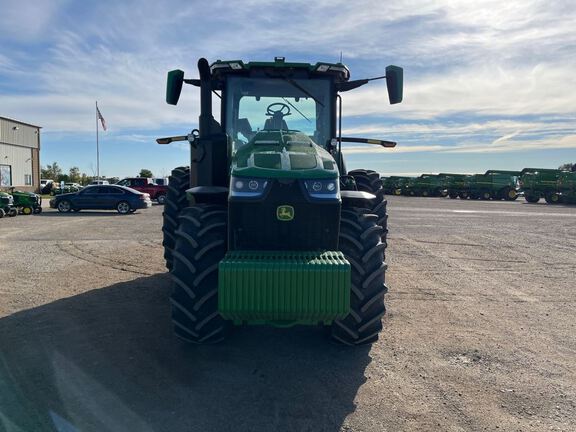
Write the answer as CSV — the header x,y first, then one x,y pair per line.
x,y
283,287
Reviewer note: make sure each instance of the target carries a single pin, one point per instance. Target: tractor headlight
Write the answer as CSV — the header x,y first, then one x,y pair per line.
x,y
323,189
247,187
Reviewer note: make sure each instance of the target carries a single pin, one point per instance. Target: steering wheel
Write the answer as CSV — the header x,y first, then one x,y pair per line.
x,y
282,109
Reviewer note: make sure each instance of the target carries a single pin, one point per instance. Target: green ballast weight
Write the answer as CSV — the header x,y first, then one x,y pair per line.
x,y
284,286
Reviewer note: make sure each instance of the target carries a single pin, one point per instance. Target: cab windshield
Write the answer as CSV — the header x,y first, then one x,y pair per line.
x,y
257,104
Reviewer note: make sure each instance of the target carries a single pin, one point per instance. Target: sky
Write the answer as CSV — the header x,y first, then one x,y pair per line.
x,y
487,84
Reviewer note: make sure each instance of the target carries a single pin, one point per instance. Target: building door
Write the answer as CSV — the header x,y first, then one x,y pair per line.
x,y
5,175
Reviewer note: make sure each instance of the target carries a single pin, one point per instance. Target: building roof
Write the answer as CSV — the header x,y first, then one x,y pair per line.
x,y
20,122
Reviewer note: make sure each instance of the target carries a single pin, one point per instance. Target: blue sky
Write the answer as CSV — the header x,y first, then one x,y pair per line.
x,y
488,84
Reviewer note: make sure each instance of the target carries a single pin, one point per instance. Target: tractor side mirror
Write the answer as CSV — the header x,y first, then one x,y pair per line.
x,y
174,86
395,83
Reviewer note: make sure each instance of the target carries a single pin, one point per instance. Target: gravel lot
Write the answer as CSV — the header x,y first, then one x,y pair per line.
x,y
480,332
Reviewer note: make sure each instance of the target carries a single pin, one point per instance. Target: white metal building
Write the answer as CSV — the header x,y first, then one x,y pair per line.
x,y
19,155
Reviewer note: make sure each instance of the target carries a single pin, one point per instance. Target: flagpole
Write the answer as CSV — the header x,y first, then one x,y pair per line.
x,y
97,147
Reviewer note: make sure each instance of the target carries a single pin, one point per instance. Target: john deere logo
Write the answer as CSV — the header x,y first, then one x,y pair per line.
x,y
285,213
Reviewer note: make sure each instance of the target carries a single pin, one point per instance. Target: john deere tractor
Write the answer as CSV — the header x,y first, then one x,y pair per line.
x,y
7,207
27,202
266,226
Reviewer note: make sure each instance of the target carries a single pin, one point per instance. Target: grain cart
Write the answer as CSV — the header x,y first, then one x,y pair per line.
x,y
567,187
7,205
267,226
539,183
493,184
455,185
27,202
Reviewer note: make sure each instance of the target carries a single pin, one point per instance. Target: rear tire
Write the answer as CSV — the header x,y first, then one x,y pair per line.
x,y
532,199
123,207
161,199
200,246
486,196
370,181
2,213
453,195
175,201
362,246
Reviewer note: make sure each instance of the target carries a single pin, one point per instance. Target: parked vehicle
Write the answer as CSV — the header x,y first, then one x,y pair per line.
x,y
46,185
146,185
27,202
539,183
7,207
106,197
493,184
567,187
455,184
99,182
393,185
426,185
276,231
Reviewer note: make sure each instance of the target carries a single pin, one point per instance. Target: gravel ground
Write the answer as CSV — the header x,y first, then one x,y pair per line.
x,y
479,335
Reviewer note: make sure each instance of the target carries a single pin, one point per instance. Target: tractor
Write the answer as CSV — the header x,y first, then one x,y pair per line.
x,y
27,202
540,182
266,225
7,207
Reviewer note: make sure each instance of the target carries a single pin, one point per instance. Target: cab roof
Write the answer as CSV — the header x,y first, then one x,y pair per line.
x,y
232,67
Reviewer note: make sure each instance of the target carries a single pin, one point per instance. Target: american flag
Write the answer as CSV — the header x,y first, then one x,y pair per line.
x,y
101,118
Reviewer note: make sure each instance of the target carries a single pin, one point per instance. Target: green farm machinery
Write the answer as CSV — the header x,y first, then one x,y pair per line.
x,y
7,207
456,185
267,226
27,202
393,185
493,184
539,183
567,187
426,185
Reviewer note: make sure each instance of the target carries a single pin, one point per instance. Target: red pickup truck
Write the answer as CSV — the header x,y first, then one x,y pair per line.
x,y
146,185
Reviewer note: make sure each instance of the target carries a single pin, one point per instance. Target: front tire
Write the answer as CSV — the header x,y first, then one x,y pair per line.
x,y
532,199
175,201
27,210
362,246
64,206
200,246
370,181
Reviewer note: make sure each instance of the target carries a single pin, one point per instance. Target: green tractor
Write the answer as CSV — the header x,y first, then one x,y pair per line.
x,y
539,183
7,207
455,184
266,226
27,202
567,187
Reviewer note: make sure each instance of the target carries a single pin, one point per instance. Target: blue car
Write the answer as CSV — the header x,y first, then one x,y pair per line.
x,y
107,197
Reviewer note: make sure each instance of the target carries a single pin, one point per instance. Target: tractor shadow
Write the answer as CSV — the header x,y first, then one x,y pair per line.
x,y
106,360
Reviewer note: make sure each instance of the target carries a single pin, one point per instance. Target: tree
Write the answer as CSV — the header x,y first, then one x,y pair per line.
x,y
74,175
145,173
567,167
51,171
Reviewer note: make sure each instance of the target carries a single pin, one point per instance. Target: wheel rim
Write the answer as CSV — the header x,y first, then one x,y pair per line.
x,y
123,207
161,199
26,210
512,194
64,206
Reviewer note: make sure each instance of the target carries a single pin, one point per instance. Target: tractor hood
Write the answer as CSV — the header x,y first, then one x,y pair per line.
x,y
283,154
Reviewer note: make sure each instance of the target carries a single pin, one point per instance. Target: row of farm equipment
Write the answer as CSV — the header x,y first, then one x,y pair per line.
x,y
555,186
19,202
